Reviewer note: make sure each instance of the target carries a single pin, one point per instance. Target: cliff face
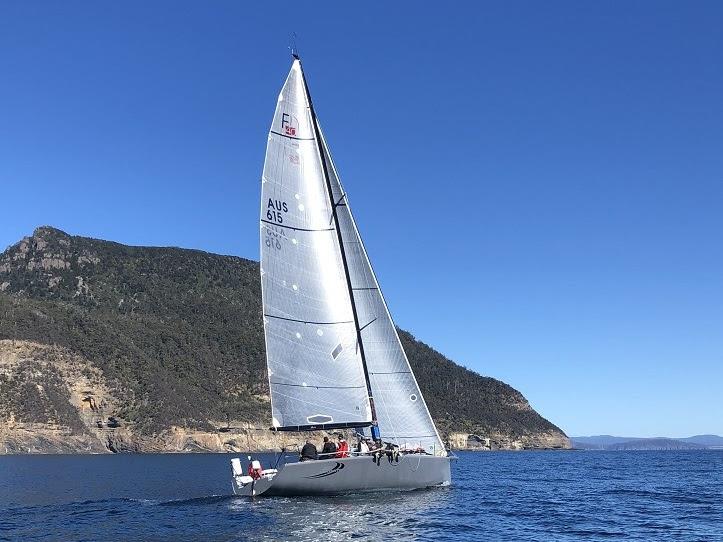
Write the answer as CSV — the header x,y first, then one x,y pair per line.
x,y
106,347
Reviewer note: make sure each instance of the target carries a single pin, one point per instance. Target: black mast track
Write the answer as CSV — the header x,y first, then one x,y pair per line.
x,y
325,168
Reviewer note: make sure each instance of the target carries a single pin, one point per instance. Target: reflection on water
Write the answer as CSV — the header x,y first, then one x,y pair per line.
x,y
396,515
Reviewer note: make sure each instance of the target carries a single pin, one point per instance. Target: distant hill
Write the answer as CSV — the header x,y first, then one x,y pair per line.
x,y
655,444
713,441
162,348
609,442
597,442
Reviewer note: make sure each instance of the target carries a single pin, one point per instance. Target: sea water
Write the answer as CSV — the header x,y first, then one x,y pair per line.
x,y
540,496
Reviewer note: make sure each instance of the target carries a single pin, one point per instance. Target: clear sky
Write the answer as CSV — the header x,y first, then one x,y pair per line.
x,y
539,184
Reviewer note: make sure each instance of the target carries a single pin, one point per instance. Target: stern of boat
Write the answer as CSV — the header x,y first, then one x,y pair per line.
x,y
247,486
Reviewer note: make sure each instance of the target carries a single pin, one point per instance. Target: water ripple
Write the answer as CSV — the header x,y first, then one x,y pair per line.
x,y
565,496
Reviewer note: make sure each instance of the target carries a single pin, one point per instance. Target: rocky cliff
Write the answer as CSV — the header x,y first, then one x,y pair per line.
x,y
106,347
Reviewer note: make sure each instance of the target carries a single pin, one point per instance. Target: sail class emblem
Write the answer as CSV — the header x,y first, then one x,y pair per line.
x,y
288,124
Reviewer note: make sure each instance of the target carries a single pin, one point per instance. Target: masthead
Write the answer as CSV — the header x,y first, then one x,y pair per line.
x,y
293,47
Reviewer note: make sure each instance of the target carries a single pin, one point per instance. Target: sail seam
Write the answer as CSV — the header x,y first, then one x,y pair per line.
x,y
294,228
392,373
308,321
292,137
367,325
318,387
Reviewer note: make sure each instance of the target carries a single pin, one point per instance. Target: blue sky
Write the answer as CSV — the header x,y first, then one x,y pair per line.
x,y
539,185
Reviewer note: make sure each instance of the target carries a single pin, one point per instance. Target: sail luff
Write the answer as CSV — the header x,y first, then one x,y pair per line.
x,y
261,277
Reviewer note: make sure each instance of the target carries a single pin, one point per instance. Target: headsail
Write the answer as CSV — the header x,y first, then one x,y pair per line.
x,y
316,375
402,415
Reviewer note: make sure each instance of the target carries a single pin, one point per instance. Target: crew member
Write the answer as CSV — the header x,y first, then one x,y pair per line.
x,y
255,469
392,452
342,449
329,449
308,452
377,452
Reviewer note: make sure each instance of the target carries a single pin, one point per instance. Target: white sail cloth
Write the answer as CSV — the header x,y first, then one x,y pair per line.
x,y
402,415
315,370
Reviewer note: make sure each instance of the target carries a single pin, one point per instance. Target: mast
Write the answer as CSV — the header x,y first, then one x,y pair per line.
x,y
325,168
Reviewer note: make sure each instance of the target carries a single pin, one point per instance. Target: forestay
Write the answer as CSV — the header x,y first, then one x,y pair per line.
x,y
316,374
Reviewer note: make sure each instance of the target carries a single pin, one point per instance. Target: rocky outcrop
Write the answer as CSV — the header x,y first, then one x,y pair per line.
x,y
503,441
54,401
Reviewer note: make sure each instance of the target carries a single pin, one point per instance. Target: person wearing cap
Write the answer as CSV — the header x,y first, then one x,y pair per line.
x,y
342,449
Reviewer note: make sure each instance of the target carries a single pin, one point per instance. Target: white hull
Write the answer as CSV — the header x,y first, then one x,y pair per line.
x,y
351,475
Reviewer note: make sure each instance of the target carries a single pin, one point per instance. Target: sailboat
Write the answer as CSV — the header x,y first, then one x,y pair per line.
x,y
335,361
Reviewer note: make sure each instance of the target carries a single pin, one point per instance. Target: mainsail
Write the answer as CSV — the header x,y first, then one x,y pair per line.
x,y
315,369
331,342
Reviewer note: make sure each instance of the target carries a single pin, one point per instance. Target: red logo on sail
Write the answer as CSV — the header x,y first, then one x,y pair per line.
x,y
288,123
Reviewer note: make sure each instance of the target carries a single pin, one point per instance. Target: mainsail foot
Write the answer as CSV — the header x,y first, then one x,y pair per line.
x,y
349,475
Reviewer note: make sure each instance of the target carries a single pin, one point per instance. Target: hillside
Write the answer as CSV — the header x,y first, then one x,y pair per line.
x,y
107,346
712,441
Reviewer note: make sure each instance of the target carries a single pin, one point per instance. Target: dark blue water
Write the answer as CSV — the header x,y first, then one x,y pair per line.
x,y
538,496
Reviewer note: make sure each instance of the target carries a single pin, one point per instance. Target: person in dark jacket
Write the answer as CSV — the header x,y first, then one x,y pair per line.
x,y
308,452
329,449
392,452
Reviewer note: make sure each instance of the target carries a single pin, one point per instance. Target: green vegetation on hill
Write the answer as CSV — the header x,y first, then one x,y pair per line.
x,y
179,334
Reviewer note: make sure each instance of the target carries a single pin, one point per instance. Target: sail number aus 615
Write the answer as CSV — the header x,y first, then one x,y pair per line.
x,y
275,210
